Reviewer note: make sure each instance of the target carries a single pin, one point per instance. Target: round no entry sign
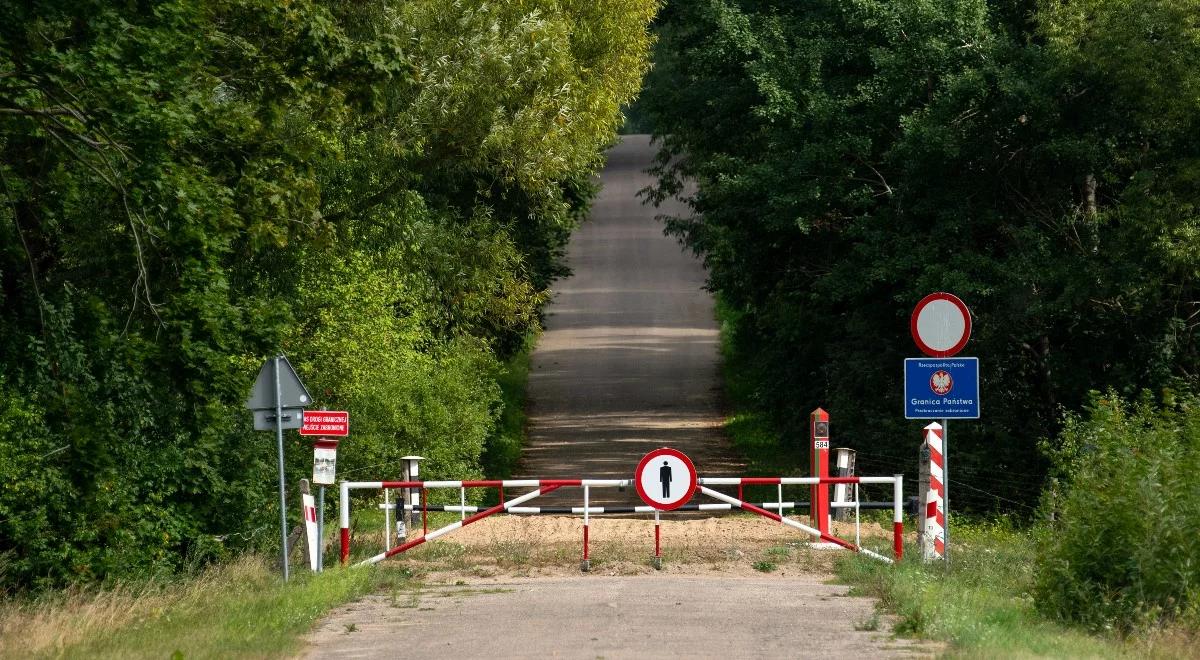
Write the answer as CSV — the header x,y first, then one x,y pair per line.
x,y
941,325
665,479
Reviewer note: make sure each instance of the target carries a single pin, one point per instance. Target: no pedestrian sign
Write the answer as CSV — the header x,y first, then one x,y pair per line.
x,y
332,423
665,479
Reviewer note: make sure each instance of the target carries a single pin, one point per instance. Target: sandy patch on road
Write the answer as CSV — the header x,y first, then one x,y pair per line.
x,y
515,546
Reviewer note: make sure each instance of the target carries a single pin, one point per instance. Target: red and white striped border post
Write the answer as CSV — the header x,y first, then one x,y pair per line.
x,y
935,511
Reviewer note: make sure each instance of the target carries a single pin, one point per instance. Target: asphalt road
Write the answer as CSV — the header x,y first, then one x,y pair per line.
x,y
629,358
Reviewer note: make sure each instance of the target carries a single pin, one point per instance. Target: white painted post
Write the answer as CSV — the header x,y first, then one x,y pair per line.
x,y
586,564
387,518
857,520
844,467
412,473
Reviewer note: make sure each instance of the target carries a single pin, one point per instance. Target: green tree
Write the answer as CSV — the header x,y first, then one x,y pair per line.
x,y
380,189
849,158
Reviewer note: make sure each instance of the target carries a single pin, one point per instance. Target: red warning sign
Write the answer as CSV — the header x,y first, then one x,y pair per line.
x,y
334,423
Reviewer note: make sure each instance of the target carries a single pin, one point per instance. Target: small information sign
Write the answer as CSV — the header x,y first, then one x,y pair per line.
x,y
324,462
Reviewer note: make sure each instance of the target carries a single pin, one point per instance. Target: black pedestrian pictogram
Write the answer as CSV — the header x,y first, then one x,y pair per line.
x,y
664,476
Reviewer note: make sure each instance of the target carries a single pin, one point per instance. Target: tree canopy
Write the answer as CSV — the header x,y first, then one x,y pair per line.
x,y
382,190
1036,158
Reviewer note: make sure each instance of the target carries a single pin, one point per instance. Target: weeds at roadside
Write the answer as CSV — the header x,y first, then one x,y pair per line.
x,y
870,624
237,609
982,603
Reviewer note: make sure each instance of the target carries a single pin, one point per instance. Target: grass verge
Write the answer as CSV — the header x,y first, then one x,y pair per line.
x,y
982,604
239,609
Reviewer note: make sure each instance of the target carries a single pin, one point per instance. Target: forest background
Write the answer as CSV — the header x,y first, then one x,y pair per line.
x,y
1038,158
380,190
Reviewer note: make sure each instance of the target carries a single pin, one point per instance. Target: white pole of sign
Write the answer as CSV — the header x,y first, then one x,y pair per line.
x,y
321,530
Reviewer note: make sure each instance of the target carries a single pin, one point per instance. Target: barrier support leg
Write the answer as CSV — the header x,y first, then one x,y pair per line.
x,y
387,519
586,564
657,562
898,517
344,510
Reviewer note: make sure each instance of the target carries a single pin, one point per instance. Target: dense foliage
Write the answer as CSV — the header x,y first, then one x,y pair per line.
x,y
380,189
1120,552
1036,157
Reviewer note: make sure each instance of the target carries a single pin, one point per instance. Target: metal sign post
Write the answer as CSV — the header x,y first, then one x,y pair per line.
x,y
278,400
941,387
282,485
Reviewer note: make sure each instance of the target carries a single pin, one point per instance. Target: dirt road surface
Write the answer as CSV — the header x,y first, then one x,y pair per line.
x,y
629,358
628,363
616,617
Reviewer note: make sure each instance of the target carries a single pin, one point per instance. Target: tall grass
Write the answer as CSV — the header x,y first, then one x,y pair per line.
x,y
983,604
240,609
1122,552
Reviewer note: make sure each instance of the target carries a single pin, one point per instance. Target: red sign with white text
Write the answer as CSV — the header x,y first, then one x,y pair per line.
x,y
326,422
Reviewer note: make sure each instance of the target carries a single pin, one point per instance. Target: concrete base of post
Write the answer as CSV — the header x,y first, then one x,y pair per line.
x,y
585,566
656,562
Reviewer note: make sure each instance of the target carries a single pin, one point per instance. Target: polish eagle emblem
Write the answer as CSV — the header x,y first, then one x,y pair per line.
x,y
941,383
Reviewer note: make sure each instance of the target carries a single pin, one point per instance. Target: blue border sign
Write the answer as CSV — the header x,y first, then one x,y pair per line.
x,y
941,388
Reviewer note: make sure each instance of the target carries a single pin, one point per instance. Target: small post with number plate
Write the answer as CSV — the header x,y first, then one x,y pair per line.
x,y
819,454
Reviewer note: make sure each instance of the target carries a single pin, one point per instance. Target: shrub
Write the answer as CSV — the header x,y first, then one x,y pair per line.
x,y
1120,550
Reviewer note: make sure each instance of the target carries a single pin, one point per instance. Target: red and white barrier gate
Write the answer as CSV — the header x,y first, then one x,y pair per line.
x,y
542,486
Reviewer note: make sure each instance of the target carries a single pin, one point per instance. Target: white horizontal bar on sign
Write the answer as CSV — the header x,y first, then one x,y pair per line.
x,y
607,483
720,481
715,507
442,484
362,484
